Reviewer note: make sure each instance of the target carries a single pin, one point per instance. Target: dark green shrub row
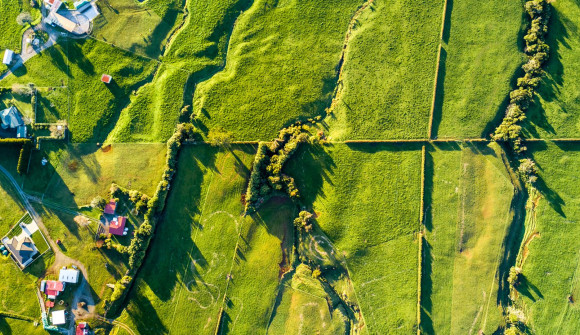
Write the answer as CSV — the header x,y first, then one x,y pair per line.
x,y
537,51
140,242
267,175
26,146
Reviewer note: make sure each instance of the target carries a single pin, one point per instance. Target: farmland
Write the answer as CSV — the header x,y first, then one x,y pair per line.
x,y
479,58
388,72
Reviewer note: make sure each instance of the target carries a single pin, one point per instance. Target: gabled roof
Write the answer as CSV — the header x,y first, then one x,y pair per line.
x,y
110,207
10,118
54,285
117,225
22,248
69,276
8,54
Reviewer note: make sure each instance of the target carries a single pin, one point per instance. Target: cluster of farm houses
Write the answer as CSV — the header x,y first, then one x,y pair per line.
x,y
23,251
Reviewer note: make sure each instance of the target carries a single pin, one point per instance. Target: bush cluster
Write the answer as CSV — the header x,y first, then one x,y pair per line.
x,y
267,176
537,51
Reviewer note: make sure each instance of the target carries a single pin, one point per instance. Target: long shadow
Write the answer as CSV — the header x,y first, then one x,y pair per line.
x,y
501,110
527,289
75,55
439,95
5,327
426,289
428,191
144,316
447,26
378,147
551,83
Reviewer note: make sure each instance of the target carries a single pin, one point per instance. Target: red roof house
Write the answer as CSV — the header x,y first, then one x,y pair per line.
x,y
105,78
117,225
82,329
53,288
110,207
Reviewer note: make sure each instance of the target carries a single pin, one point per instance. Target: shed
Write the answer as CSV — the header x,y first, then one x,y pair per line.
x,y
69,276
8,56
105,78
58,318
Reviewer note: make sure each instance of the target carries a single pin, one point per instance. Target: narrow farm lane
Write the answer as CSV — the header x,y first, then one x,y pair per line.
x,y
117,323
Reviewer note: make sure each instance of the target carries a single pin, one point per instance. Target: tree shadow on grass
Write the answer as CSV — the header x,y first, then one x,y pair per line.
x,y
144,316
528,290
5,328
426,289
439,95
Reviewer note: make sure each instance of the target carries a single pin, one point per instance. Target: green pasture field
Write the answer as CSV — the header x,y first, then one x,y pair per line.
x,y
52,104
481,55
203,217
76,173
303,308
265,246
94,106
78,242
468,194
367,199
141,27
12,326
552,268
553,115
388,72
281,65
11,209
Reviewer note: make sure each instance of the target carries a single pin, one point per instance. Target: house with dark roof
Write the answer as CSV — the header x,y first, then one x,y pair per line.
x,y
11,123
22,249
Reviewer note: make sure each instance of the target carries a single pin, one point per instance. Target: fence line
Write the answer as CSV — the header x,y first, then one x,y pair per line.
x,y
438,62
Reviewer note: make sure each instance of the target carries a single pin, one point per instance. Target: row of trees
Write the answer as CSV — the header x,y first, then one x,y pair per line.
x,y
537,51
267,176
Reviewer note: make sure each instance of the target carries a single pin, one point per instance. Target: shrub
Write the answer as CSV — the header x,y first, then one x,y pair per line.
x,y
98,202
24,18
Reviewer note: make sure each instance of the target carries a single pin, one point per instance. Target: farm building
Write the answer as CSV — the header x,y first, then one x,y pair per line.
x,y
22,249
68,276
111,207
8,56
58,317
105,78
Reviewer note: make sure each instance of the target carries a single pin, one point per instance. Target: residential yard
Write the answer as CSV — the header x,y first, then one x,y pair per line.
x,y
201,224
281,65
468,194
20,101
551,269
366,201
481,55
553,113
388,72
141,27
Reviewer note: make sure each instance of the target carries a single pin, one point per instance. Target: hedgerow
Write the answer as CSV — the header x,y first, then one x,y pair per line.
x,y
26,146
267,176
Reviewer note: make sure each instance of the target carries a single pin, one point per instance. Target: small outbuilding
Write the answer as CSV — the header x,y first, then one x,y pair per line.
x,y
111,207
58,317
8,56
105,78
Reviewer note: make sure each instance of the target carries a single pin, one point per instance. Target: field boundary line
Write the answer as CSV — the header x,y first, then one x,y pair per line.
x,y
438,66
420,237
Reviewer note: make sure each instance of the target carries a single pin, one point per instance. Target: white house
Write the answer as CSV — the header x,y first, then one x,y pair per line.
x,y
8,55
69,276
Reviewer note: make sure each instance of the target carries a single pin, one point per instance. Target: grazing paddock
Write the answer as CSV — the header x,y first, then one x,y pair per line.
x,y
76,173
554,113
481,54
551,269
388,72
366,199
141,27
468,212
203,218
13,326
281,65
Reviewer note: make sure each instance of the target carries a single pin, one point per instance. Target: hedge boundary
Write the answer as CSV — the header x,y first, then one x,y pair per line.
x,y
25,150
420,237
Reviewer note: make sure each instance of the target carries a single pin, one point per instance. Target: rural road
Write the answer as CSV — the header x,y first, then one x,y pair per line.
x,y
117,323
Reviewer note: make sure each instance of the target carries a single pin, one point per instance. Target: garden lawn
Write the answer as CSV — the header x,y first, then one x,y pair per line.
x,y
183,279
480,56
141,27
552,267
78,242
554,113
468,194
21,102
281,65
13,326
388,72
78,65
76,173
367,198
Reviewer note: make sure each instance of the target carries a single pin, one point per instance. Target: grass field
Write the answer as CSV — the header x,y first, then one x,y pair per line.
x,y
388,72
93,107
141,27
468,192
20,101
551,269
201,225
480,56
11,36
12,326
281,65
76,173
366,198
553,115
